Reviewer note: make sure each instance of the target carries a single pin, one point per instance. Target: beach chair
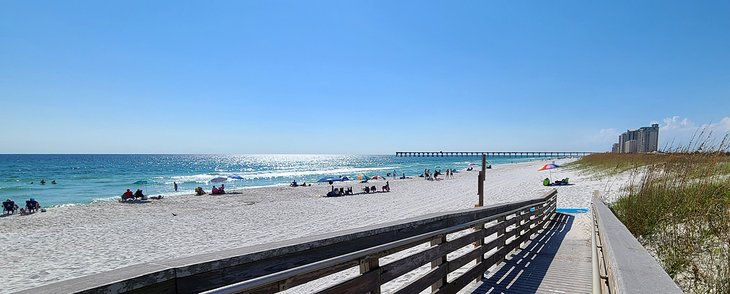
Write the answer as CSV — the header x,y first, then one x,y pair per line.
x,y
31,206
9,207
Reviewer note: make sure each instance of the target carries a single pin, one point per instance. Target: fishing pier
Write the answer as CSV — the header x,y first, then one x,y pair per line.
x,y
551,154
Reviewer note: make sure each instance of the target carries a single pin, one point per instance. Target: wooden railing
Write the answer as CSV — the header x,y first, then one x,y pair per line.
x,y
621,263
477,239
511,228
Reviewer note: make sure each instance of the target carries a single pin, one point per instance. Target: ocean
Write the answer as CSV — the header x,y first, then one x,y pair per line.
x,y
82,179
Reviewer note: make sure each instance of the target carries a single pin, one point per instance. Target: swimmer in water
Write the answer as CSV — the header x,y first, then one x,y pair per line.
x,y
53,182
43,182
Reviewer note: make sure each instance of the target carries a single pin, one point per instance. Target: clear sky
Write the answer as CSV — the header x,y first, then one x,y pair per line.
x,y
357,76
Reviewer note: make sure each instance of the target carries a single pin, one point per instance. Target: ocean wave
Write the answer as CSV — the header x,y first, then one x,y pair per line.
x,y
12,189
293,174
65,205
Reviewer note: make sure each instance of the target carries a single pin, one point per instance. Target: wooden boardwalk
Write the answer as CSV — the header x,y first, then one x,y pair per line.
x,y
555,261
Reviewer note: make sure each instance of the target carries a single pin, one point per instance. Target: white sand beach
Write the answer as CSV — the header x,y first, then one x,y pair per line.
x,y
73,241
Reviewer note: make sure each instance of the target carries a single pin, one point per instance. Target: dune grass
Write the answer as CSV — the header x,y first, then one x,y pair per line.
x,y
678,206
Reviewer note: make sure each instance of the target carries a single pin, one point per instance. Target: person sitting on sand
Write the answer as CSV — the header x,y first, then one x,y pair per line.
x,y
9,206
138,194
386,188
373,189
127,195
214,191
222,189
294,184
32,205
199,191
366,189
334,192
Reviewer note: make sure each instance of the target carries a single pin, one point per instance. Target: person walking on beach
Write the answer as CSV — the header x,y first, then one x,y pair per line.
x,y
174,184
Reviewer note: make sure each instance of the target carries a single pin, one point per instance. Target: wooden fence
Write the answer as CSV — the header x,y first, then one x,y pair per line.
x,y
511,228
481,237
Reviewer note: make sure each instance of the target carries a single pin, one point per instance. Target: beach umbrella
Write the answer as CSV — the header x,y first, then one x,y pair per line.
x,y
330,179
549,167
219,179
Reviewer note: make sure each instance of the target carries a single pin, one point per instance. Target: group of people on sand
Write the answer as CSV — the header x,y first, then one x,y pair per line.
x,y
303,184
339,192
128,195
138,195
435,176
372,189
214,191
218,190
31,206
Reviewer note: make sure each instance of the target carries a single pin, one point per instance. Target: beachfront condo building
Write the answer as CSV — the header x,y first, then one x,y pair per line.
x,y
645,139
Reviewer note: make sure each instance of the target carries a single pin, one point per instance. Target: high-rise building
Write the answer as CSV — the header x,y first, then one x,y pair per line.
x,y
645,139
615,148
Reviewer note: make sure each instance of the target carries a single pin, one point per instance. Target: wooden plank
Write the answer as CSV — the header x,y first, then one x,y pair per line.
x,y
424,282
409,263
361,284
166,287
304,278
498,242
461,281
460,261
495,228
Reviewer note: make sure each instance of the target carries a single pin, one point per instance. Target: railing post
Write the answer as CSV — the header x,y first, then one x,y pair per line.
x,y
521,230
502,232
481,178
436,263
370,264
477,246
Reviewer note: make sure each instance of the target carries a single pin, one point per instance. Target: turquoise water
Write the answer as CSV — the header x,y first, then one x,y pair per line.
x,y
86,178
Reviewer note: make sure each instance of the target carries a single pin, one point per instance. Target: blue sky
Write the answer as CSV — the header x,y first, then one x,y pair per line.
x,y
356,76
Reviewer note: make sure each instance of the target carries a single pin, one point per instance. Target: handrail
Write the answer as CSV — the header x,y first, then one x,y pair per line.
x,y
419,239
279,266
625,264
